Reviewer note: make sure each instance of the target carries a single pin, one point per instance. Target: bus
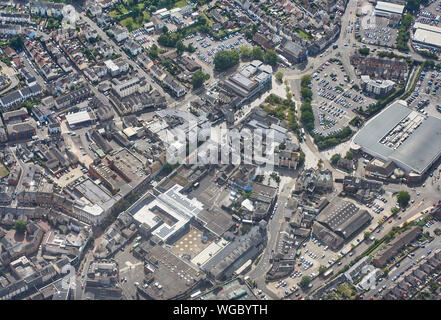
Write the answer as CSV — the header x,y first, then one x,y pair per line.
x,y
196,294
236,218
247,221
327,273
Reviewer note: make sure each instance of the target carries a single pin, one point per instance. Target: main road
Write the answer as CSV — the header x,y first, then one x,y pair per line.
x,y
258,273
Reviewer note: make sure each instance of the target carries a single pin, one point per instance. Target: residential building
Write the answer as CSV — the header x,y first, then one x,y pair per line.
x,y
120,33
377,88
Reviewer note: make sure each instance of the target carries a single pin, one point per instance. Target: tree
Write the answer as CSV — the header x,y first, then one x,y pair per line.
x,y
199,78
306,80
245,52
202,21
367,234
322,269
180,47
279,76
305,281
271,58
190,48
226,59
154,51
320,163
413,5
349,155
167,168
258,53
20,226
164,29
129,25
306,93
17,42
364,51
403,198
335,158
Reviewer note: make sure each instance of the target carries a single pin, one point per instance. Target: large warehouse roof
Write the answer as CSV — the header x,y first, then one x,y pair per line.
x,y
427,37
419,25
420,146
78,117
389,7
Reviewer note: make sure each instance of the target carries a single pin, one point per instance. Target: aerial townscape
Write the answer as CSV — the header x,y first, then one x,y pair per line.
x,y
220,150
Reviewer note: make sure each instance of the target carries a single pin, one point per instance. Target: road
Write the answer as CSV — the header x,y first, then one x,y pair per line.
x,y
20,186
405,264
82,276
259,272
381,231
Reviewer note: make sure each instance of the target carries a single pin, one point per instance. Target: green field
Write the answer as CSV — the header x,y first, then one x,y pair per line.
x,y
3,171
303,34
180,3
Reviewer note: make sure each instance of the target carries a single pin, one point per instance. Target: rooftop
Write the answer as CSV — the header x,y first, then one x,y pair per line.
x,y
404,136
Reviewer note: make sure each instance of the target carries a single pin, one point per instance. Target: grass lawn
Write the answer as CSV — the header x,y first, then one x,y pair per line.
x,y
113,14
129,21
3,171
303,34
180,3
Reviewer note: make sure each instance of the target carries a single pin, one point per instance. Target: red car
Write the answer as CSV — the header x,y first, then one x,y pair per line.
x,y
300,297
390,221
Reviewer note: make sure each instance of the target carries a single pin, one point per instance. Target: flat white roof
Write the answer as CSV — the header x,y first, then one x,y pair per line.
x,y
389,7
423,26
427,37
173,203
210,251
78,117
111,65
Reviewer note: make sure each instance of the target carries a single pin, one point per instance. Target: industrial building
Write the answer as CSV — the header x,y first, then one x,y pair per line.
x,y
406,137
80,118
387,9
426,35
340,221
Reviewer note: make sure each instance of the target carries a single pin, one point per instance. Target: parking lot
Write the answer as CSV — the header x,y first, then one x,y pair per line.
x,y
380,32
144,38
206,46
425,97
334,99
430,14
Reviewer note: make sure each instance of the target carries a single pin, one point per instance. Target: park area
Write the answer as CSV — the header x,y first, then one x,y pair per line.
x,y
3,171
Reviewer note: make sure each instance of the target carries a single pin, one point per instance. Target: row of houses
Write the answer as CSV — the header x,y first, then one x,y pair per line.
x,y
20,96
